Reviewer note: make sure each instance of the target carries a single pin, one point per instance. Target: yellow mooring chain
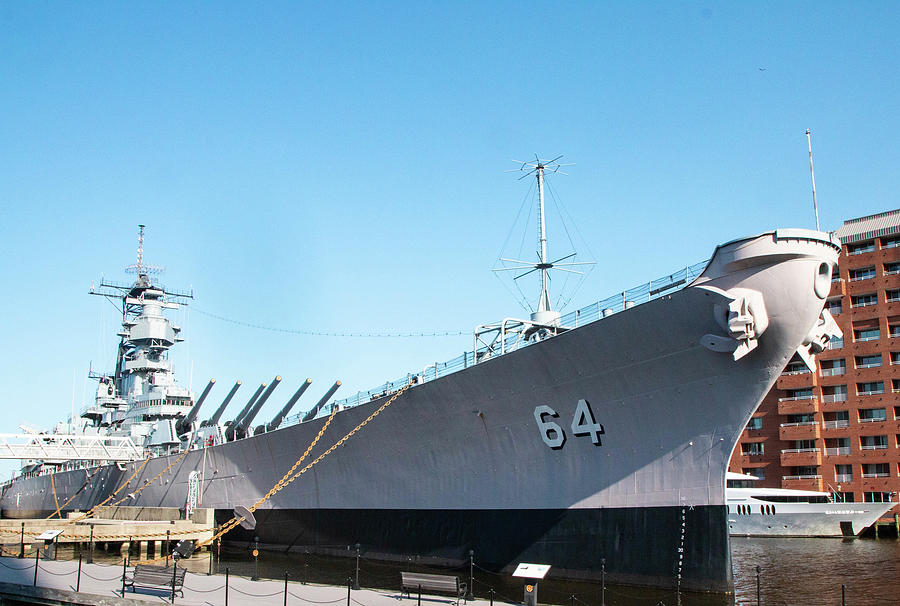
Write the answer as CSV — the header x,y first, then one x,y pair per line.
x,y
290,476
285,480
93,510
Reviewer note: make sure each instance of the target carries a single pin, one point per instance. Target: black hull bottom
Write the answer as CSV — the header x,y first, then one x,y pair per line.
x,y
578,543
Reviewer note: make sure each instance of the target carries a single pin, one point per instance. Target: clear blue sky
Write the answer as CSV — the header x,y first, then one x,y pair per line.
x,y
340,166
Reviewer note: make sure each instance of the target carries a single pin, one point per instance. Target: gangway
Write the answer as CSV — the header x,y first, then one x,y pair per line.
x,y
63,447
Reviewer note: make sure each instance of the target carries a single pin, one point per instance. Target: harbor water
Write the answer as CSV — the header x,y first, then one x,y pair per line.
x,y
793,571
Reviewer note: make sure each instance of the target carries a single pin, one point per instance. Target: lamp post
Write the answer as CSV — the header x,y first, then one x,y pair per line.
x,y
470,595
356,578
255,554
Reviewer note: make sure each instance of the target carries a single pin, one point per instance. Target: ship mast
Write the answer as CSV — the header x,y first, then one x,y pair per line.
x,y
544,303
545,315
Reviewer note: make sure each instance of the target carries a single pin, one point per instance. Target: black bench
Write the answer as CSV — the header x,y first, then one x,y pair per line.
x,y
444,583
156,577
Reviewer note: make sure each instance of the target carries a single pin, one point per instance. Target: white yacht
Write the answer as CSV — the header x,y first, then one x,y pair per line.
x,y
784,512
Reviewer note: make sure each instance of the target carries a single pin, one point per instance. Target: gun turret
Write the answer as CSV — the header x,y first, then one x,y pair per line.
x,y
277,419
183,425
221,409
315,409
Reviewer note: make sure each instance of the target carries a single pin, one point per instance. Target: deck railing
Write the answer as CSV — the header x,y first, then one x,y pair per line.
x,y
594,312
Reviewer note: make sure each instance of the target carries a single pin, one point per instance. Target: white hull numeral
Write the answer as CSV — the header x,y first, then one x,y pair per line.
x,y
551,433
583,424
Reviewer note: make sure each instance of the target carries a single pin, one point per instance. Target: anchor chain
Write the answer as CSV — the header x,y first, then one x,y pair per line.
x,y
290,476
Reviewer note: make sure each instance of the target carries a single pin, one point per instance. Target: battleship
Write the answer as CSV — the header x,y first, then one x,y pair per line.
x,y
596,441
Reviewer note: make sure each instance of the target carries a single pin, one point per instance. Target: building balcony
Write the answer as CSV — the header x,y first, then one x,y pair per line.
x,y
802,482
840,451
835,425
890,308
830,398
796,380
875,423
867,347
873,454
865,312
801,457
790,406
838,288
808,430
867,374
833,372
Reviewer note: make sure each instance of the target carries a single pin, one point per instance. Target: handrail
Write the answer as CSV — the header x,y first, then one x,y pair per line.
x,y
594,312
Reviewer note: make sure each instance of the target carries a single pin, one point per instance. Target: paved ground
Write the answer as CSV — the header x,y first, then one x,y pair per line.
x,y
102,584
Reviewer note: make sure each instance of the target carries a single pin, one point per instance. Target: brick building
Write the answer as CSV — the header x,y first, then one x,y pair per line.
x,y
837,429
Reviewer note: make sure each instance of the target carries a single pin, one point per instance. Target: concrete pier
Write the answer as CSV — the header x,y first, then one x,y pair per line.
x,y
101,585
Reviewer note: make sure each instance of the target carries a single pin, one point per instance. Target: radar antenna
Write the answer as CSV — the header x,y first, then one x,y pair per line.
x,y
545,313
139,268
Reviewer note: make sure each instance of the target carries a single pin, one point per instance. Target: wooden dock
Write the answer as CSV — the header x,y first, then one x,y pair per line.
x,y
148,529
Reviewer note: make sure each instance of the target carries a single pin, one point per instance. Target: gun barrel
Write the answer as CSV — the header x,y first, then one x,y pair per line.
x,y
221,409
184,424
231,432
248,418
315,409
277,419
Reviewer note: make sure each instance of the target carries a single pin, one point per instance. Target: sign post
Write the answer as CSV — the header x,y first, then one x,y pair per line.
x,y
534,572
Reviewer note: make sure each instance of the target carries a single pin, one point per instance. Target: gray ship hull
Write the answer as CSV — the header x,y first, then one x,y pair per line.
x,y
461,463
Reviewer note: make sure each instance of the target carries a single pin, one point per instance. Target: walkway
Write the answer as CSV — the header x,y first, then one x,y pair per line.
x,y
102,585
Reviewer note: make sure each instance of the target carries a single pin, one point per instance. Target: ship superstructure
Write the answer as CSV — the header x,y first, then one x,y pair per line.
x,y
595,441
141,399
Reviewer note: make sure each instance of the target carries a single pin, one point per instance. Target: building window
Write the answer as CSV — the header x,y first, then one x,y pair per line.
x,y
892,296
877,497
752,448
892,268
837,446
834,393
755,423
862,273
843,473
895,357
805,418
836,274
758,472
864,300
866,334
834,307
831,368
868,361
895,385
873,442
890,242
799,394
837,420
804,472
843,497
871,415
894,330
876,470
870,388
795,367
858,249
835,343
